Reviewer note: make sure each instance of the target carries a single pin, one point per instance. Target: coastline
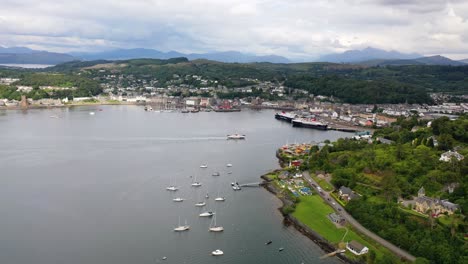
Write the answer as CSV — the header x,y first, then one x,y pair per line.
x,y
288,219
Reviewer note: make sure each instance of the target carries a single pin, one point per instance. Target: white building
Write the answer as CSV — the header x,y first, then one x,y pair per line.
x,y
356,248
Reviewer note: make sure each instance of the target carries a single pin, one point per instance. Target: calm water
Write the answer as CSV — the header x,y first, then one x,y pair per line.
x,y
27,66
91,189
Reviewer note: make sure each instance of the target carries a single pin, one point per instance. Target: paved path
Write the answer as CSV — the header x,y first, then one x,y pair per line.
x,y
329,199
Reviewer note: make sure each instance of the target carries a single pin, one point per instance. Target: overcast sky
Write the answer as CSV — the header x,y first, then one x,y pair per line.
x,y
298,29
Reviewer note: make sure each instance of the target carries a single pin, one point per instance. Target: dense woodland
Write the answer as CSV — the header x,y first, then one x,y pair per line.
x,y
345,82
382,173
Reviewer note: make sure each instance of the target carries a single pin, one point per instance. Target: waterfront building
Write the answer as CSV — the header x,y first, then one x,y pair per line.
x,y
356,248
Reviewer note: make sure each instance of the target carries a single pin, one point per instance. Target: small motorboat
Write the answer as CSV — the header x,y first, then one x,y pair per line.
x,y
207,214
236,136
229,165
92,113
172,188
203,166
216,229
269,242
200,204
164,258
229,172
217,252
196,184
215,174
280,249
178,199
220,199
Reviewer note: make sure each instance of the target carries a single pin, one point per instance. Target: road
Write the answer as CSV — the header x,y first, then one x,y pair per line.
x,y
331,201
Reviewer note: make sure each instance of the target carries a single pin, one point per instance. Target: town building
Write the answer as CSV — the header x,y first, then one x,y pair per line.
x,y
336,218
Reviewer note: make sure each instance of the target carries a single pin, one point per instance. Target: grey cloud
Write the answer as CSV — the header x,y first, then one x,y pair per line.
x,y
297,29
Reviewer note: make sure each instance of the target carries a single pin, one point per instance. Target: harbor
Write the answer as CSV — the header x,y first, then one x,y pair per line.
x,y
120,212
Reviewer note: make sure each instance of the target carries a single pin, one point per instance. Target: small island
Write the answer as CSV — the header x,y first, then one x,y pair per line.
x,y
396,197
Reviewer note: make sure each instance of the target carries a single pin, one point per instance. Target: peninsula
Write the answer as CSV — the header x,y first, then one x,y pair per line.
x,y
362,194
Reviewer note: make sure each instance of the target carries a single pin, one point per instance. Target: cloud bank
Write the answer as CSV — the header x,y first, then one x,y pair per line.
x,y
298,29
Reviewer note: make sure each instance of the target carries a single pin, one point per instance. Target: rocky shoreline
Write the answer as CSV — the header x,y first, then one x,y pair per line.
x,y
305,230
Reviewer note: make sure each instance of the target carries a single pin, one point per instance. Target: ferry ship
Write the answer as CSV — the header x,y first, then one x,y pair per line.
x,y
309,123
285,116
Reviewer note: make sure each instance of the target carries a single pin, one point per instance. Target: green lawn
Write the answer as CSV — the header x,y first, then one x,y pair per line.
x,y
313,212
412,212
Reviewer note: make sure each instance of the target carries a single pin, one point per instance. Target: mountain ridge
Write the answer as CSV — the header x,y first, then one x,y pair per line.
x,y
369,53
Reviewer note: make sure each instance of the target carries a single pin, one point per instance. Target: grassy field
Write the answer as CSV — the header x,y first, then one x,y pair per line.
x,y
313,212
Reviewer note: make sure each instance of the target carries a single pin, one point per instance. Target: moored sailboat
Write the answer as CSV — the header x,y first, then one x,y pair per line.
x,y
214,227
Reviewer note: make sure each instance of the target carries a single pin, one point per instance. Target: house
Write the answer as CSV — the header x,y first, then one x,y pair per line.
x,y
336,218
385,141
424,204
447,156
356,248
346,193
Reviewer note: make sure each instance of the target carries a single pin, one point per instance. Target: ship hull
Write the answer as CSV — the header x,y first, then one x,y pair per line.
x,y
296,123
284,118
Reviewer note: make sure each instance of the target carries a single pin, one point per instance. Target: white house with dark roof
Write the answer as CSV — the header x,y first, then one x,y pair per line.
x,y
356,248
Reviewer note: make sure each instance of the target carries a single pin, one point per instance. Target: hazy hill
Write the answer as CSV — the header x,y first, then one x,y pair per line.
x,y
228,56
35,57
431,60
16,50
353,56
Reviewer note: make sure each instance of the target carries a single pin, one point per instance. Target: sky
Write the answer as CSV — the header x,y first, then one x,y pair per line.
x,y
297,29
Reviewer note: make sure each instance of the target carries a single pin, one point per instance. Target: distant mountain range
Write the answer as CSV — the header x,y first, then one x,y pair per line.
x,y
354,56
227,56
369,57
35,57
431,60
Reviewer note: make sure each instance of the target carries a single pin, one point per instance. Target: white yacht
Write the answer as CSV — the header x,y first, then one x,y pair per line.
x,y
207,214
229,165
203,166
178,199
220,199
182,228
172,188
92,113
200,204
217,252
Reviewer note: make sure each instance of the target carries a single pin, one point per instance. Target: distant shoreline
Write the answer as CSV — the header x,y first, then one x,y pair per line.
x,y
65,105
